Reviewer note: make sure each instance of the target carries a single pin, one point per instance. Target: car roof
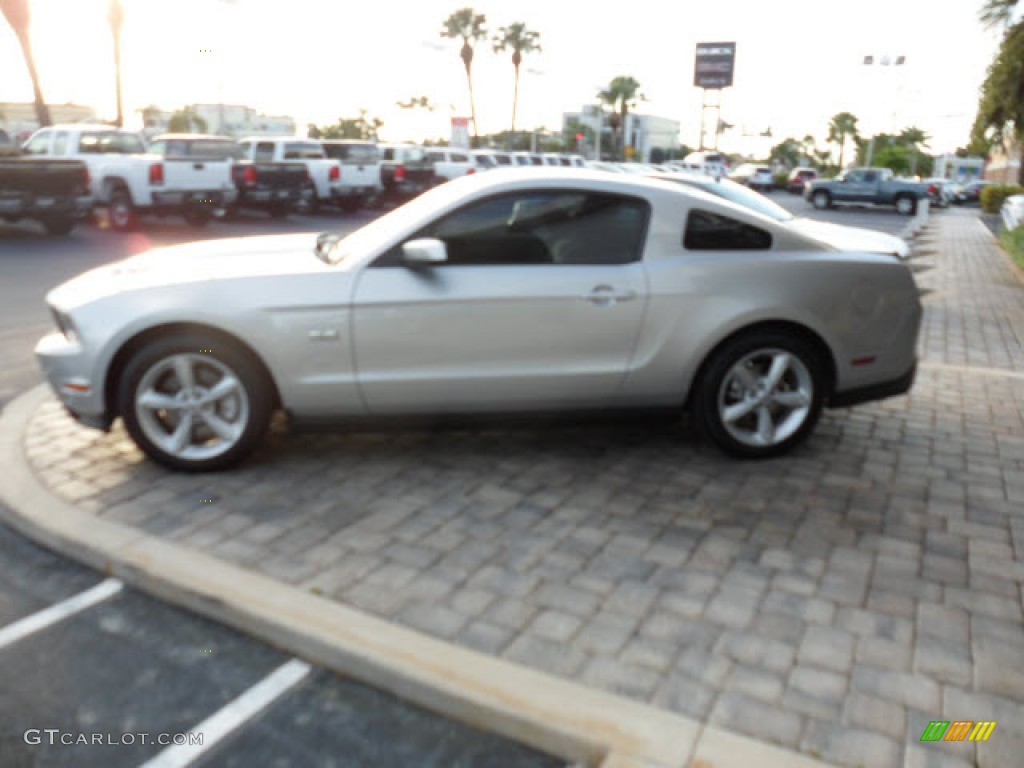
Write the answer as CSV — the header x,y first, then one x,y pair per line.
x,y
191,136
86,127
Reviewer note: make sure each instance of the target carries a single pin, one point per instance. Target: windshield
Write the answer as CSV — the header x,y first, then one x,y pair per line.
x,y
737,193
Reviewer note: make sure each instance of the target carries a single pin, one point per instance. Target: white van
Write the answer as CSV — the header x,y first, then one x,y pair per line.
x,y
451,163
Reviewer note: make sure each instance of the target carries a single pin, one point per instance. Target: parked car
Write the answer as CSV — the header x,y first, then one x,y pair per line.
x,y
527,158
483,160
360,171
940,191
272,187
1012,211
130,181
468,300
757,177
799,178
405,172
712,163
53,192
836,235
324,185
866,186
970,193
451,163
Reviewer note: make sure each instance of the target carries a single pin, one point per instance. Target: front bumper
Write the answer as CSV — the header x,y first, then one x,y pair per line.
x,y
68,370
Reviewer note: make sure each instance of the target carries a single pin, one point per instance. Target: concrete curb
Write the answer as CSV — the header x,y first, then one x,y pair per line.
x,y
554,715
917,223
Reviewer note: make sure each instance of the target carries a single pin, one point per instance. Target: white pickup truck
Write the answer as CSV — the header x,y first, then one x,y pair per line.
x,y
360,171
129,181
324,173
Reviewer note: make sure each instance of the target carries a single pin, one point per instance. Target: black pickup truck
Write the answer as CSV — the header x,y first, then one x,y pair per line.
x,y
405,172
53,192
274,187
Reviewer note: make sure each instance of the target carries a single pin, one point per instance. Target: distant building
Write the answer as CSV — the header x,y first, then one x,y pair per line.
x,y
643,133
18,118
1004,163
222,119
959,169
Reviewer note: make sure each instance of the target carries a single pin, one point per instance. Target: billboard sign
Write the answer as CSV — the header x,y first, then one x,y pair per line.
x,y
714,65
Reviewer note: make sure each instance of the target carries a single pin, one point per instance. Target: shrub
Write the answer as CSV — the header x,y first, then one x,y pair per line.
x,y
1013,242
781,179
992,196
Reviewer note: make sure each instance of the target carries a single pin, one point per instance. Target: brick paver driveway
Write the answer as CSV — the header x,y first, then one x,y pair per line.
x,y
833,601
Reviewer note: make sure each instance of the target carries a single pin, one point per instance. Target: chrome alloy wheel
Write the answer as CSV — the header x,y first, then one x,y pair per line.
x,y
765,397
192,406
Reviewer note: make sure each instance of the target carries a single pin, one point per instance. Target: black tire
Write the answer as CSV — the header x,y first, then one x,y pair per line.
x,y
906,205
258,391
821,200
122,211
198,216
706,410
58,225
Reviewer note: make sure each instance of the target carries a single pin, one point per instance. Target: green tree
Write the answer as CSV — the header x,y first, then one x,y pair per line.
x,y
115,16
913,139
621,95
1001,107
520,40
468,25
186,120
841,127
362,127
997,13
17,15
787,152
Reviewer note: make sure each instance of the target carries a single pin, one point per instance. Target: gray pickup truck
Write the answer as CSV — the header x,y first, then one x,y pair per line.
x,y
866,186
53,192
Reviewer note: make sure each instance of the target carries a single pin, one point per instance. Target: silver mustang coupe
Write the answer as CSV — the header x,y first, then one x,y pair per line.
x,y
503,292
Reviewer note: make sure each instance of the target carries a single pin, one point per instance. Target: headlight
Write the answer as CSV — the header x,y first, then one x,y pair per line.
x,y
64,325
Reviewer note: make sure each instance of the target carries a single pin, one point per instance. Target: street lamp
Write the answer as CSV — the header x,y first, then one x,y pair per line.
x,y
883,61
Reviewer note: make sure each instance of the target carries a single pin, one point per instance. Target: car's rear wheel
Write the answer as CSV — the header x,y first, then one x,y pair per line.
x,y
194,403
760,394
822,200
122,211
906,205
58,225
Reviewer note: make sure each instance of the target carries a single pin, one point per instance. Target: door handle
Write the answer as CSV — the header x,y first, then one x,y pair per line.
x,y
605,295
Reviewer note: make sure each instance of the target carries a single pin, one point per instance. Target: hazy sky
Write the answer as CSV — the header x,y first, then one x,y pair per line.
x,y
798,61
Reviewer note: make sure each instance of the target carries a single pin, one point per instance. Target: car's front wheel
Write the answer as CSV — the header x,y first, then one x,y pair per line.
x,y
760,394
821,200
194,403
906,205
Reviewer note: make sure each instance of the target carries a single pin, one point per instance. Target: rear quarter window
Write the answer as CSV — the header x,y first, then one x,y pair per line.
x,y
707,231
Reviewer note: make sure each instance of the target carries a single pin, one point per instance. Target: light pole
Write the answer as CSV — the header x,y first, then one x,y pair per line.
x,y
883,61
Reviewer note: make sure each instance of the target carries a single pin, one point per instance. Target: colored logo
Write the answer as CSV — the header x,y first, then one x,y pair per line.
x,y
958,730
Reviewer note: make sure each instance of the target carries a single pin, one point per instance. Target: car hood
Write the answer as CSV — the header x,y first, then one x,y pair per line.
x,y
213,260
850,238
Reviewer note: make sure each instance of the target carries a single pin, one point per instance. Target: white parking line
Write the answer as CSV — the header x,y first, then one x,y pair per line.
x,y
232,715
12,633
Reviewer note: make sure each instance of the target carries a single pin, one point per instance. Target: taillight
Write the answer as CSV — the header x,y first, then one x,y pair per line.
x,y
399,173
156,173
471,170
335,173
932,189
249,176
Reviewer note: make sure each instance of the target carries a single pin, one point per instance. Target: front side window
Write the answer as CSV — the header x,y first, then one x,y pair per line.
x,y
536,228
458,157
110,142
39,144
706,231
871,177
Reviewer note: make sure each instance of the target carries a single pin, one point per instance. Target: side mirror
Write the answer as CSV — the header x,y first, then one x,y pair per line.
x,y
424,252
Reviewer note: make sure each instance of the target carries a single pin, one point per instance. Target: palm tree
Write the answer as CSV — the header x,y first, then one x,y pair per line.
x,y
842,126
17,15
621,94
517,38
997,13
115,15
468,25
186,120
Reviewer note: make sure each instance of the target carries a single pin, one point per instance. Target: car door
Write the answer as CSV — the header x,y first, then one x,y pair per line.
x,y
851,188
538,306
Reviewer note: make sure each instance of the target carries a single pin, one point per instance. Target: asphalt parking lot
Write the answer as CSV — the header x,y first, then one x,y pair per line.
x,y
833,601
